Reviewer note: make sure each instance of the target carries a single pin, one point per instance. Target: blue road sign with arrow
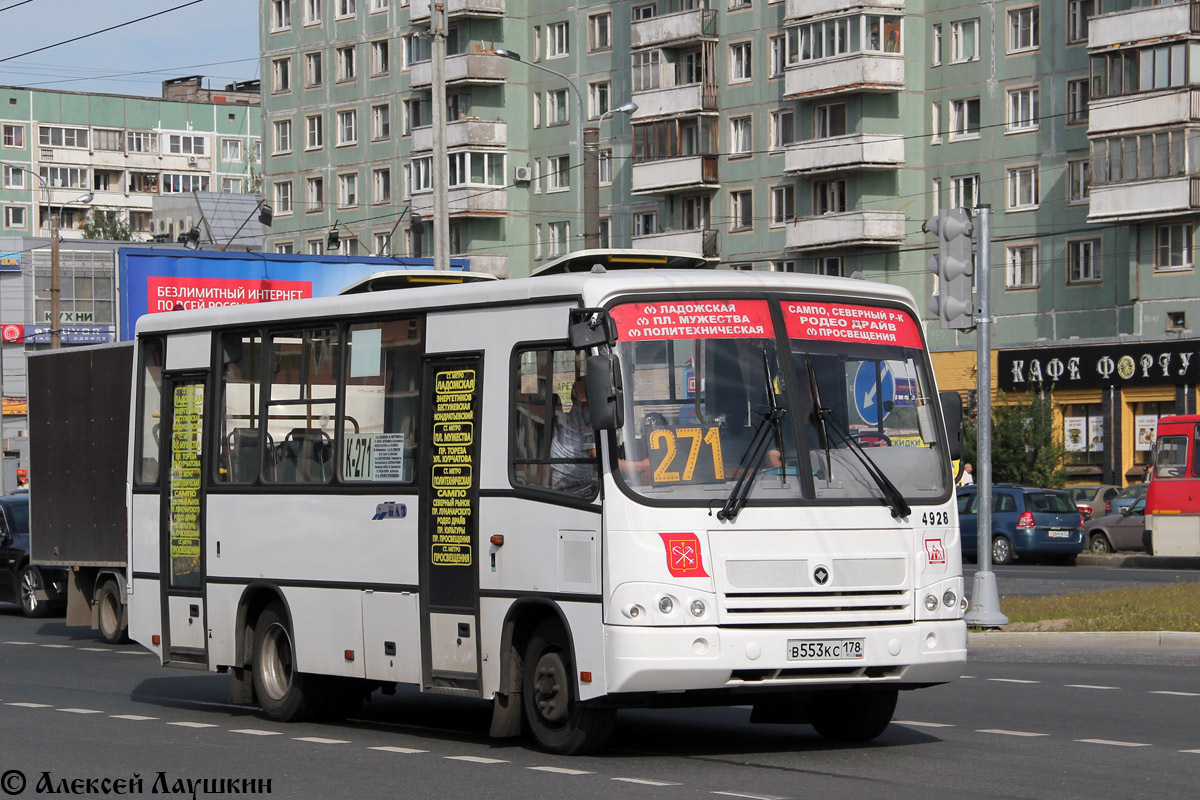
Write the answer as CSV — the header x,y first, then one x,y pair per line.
x,y
874,391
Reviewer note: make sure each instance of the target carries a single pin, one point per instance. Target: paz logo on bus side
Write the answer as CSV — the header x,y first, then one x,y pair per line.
x,y
683,555
390,510
935,551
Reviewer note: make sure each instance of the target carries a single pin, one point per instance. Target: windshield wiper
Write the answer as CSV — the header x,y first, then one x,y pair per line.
x,y
755,452
895,500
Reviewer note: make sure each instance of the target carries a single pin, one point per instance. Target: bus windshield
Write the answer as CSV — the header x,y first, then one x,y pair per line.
x,y
833,406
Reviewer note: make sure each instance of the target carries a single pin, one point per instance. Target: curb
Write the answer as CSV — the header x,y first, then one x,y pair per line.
x,y
1083,639
1137,561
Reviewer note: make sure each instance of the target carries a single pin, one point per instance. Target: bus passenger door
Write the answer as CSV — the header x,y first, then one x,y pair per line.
x,y
449,527
182,522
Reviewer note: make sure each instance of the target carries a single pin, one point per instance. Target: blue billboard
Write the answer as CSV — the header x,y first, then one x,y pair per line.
x,y
152,281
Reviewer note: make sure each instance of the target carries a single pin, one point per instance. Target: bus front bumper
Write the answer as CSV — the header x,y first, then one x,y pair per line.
x,y
664,659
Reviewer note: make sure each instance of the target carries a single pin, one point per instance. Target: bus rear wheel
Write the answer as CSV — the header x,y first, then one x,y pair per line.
x,y
853,715
559,721
283,693
108,614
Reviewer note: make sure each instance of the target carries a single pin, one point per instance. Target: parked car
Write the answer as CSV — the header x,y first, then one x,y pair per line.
x,y
1121,531
35,589
1026,521
1093,499
1128,496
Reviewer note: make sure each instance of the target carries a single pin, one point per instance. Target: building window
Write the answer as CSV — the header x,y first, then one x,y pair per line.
x,y
414,52
383,5
1140,156
315,131
283,136
605,163
829,120
281,15
55,136
1174,246
833,266
606,232
414,114
381,122
107,140
1078,14
1079,174
829,197
559,234
783,128
696,213
646,11
314,195
964,118
1083,261
1022,271
143,182
183,184
381,58
559,178
476,169
557,108
312,12
778,55
14,135
348,190
964,41
600,31
740,136
14,216
346,63
139,221
1023,109
645,223
383,244
849,34
141,142
740,62
599,99
741,210
14,177
181,144
558,39
281,75
346,8
783,205
312,69
231,149
1023,29
283,198
347,127
65,177
935,195
1077,101
935,122
1022,188
316,247
646,70
231,185
381,183
935,46
284,248
782,266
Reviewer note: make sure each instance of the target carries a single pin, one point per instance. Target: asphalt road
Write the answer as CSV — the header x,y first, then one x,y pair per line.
x,y
1037,579
1023,723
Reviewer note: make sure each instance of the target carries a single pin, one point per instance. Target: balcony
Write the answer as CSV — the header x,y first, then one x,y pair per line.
x,y
701,242
464,68
855,72
804,9
471,132
856,151
466,201
1147,23
1144,111
492,265
1161,197
848,229
675,174
419,10
672,30
691,98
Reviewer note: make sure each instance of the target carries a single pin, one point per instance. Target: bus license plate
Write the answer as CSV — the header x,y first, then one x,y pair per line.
x,y
821,649
1059,534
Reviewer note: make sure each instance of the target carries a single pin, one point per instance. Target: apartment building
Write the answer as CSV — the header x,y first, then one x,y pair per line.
x,y
809,135
72,153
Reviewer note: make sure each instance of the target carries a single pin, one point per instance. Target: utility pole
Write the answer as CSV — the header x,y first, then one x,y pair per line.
x,y
55,281
441,188
591,183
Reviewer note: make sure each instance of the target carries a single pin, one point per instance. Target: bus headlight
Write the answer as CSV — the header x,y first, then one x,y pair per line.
x,y
666,605
697,608
931,602
949,598
632,611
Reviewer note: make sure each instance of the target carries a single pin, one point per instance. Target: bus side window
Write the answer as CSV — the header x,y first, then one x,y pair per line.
x,y
301,406
550,436
241,388
150,391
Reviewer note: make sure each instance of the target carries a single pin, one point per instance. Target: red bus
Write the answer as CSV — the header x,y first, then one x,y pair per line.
x,y
1173,497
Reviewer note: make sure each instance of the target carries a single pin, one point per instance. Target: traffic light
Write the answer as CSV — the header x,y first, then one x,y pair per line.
x,y
954,303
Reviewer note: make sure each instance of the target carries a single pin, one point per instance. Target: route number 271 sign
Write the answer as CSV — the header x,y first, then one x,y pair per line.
x,y
686,455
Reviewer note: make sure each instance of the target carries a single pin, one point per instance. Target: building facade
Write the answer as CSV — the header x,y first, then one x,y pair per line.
x,y
71,154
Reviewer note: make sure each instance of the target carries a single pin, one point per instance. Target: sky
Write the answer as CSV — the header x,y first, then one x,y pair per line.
x,y
214,38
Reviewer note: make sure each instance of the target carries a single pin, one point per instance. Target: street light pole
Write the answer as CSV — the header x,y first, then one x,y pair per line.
x,y
55,281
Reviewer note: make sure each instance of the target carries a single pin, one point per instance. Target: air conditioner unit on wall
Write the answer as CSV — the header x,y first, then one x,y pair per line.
x,y
522,174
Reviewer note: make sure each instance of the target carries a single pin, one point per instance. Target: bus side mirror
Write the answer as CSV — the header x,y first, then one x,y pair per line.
x,y
591,327
605,404
952,413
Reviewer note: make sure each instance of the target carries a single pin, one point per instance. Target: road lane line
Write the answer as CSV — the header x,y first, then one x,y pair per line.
x,y
1003,732
96,649
562,770
1189,751
79,710
1177,694
1011,680
646,782
477,759
29,705
401,750
256,732
749,796
58,646
18,643
1089,686
134,717
916,724
319,740
193,724
1113,742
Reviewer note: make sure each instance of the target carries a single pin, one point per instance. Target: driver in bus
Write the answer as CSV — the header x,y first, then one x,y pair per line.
x,y
575,439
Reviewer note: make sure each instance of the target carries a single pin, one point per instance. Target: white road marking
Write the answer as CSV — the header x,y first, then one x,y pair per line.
x,y
1113,743
562,770
96,649
749,796
1011,680
29,705
58,646
402,750
320,740
134,717
79,710
477,759
18,643
646,782
134,652
1003,732
193,724
1189,751
1089,686
966,677
256,732
1178,694
916,724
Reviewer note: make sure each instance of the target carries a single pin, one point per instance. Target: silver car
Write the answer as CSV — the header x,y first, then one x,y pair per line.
x,y
1120,531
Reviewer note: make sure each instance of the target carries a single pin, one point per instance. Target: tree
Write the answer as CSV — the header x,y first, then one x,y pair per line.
x,y
108,225
1025,446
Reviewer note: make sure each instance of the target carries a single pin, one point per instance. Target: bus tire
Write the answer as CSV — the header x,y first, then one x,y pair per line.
x,y
110,617
855,715
284,694
559,721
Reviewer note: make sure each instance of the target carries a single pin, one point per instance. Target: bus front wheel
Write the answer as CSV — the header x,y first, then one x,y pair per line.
x,y
853,715
284,693
559,721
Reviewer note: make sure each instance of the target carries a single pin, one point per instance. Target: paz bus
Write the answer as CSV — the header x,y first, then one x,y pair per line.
x,y
1173,496
333,496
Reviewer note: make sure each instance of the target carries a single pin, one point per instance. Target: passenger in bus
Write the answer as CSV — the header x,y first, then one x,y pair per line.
x,y
575,439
